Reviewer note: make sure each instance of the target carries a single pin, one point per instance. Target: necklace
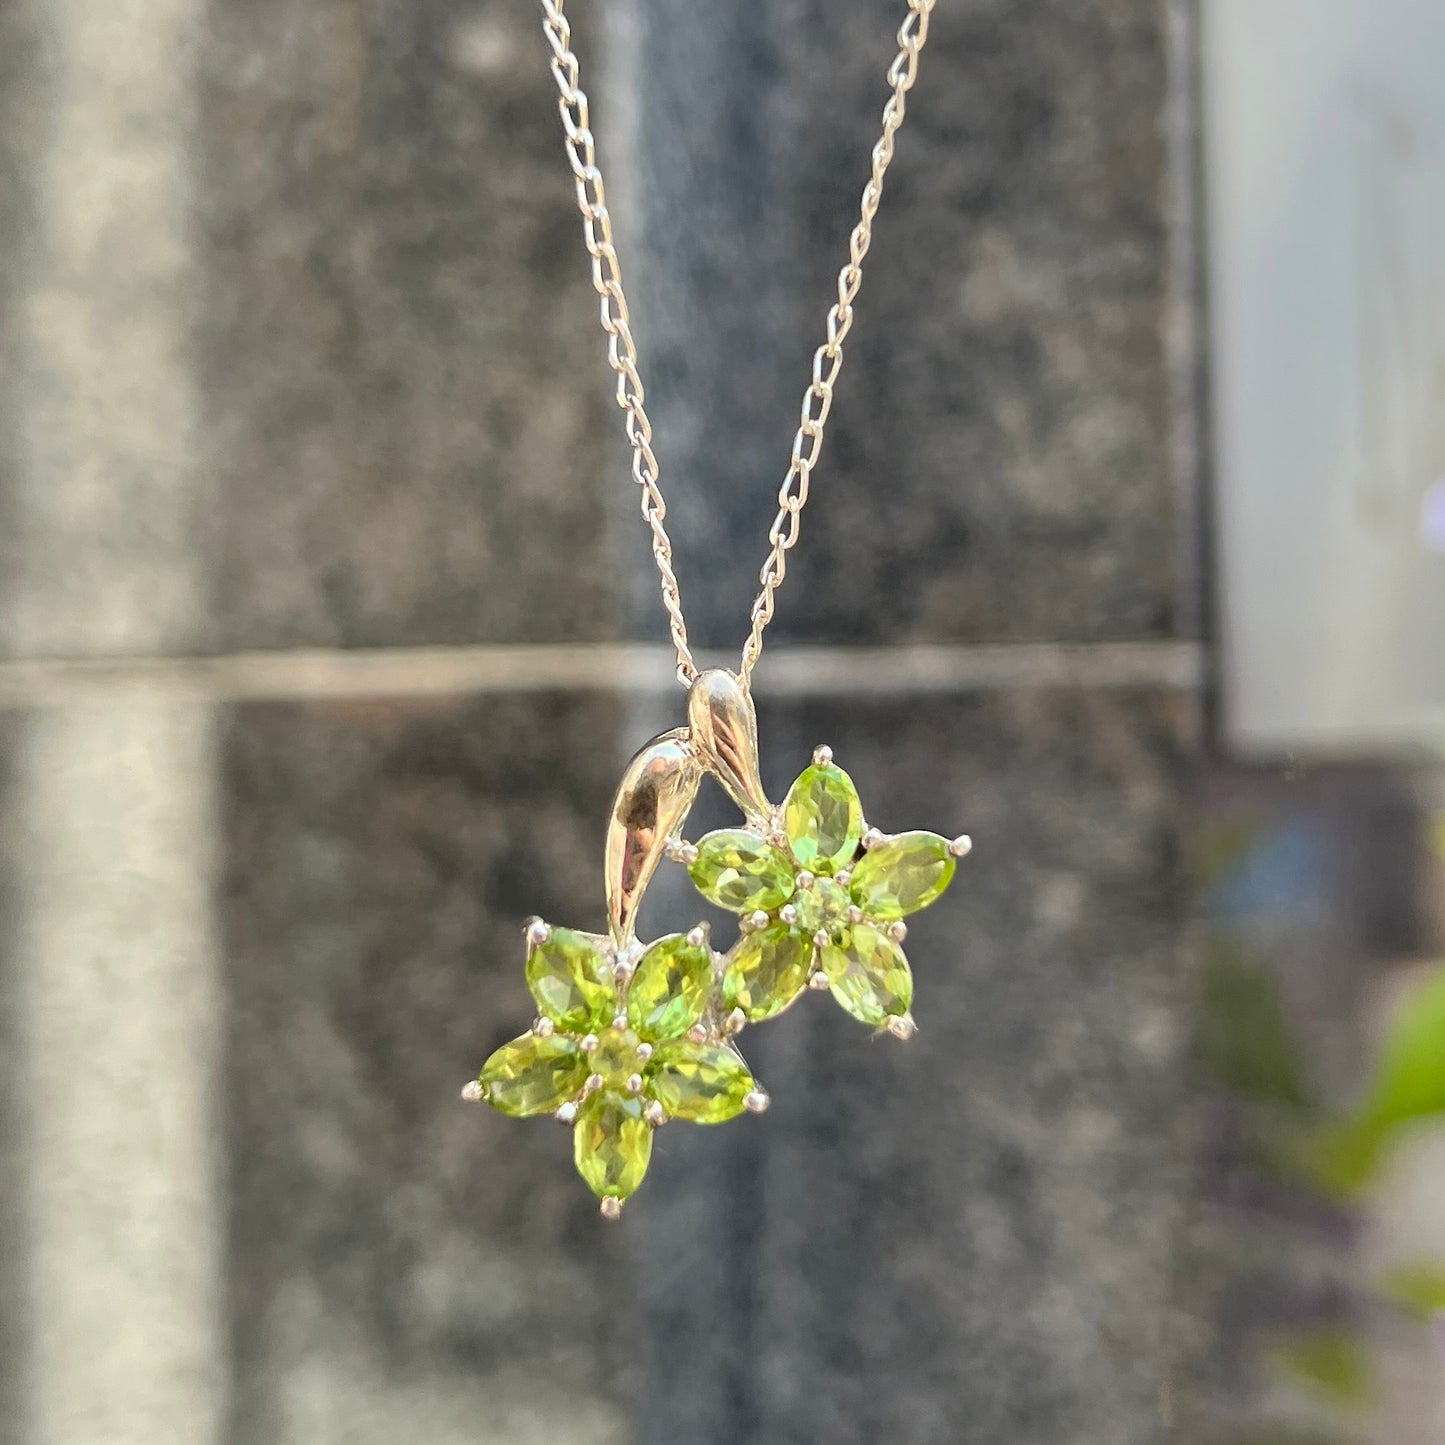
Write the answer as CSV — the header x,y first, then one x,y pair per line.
x,y
630,1035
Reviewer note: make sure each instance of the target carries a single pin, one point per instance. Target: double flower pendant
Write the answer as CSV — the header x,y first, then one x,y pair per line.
x,y
630,1035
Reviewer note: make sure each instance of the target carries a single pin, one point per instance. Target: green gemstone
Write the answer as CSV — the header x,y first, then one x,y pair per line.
x,y
869,975
741,872
702,1083
903,875
571,981
766,971
823,819
615,1057
533,1075
612,1144
670,989
823,908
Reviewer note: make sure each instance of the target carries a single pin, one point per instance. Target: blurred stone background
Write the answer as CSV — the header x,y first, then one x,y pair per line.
x,y
306,440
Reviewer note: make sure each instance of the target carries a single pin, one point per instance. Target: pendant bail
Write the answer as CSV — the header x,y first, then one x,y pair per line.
x,y
725,732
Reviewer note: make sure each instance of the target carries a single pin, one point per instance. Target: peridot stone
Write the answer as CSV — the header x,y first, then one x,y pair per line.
x,y
823,819
571,981
612,1144
670,988
869,975
615,1057
532,1075
739,871
823,908
702,1083
766,971
902,875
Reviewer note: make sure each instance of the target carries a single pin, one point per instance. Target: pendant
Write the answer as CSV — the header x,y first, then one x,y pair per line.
x,y
631,1035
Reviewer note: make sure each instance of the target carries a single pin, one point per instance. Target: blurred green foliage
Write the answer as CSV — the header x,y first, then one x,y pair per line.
x,y
1331,1363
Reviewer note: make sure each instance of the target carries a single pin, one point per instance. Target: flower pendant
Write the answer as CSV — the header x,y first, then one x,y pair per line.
x,y
632,1035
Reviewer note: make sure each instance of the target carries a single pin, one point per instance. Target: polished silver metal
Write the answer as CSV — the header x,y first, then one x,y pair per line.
x,y
818,981
805,880
472,1092
634,1083
855,914
589,1044
724,727
581,149
697,1034
961,846
735,1022
544,1028
567,1114
697,937
843,878
822,755
821,938
644,1052
759,920
898,931
537,932
594,1082
873,838
611,1208
757,1102
619,1021
902,1028
655,1114
652,802
787,914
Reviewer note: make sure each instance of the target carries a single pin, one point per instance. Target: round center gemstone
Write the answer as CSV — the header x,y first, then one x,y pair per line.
x,y
615,1057
822,908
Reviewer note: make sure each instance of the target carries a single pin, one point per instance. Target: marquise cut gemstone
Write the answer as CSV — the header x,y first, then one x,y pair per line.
x,y
823,819
741,872
571,981
869,975
533,1075
702,1083
902,875
612,1144
766,971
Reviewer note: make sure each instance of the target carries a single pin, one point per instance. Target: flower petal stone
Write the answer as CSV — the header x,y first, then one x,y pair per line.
x,y
533,1075
766,971
903,875
868,975
702,1083
741,872
571,981
612,1144
823,819
670,989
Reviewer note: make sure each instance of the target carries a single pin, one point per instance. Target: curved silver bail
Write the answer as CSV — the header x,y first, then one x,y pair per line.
x,y
651,805
725,733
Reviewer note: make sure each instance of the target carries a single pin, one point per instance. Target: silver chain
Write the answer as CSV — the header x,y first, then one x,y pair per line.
x,y
622,349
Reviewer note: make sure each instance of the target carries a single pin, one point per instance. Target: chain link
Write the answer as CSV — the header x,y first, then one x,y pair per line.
x,y
622,349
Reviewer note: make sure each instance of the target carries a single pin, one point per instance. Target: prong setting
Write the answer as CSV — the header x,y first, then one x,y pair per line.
x,y
855,914
961,846
594,1082
818,982
822,755
655,1114
537,932
901,1026
873,838
567,1114
821,938
472,1092
634,1083
612,1208
759,920
805,880
898,931
697,1034
757,1102
736,1022
544,1028
589,1044
787,914
644,1052
697,937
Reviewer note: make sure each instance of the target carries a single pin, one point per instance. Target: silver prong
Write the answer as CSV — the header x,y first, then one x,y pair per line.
x,y
805,880
697,1034
589,1044
872,838
655,1114
736,1022
697,937
961,846
612,1208
537,932
619,1022
787,914
544,1028
821,938
634,1083
822,755
622,970
594,1082
687,854
855,914
818,981
898,931
644,1052
778,839
567,1114
759,920
843,879
901,1026
472,1092
757,1102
